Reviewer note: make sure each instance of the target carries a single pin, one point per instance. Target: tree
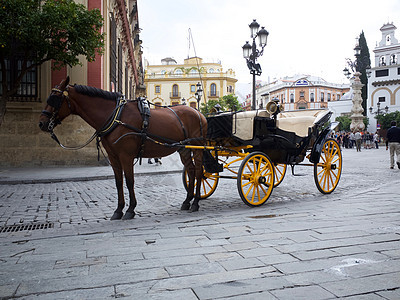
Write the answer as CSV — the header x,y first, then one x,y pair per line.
x,y
364,61
40,31
386,119
344,123
227,103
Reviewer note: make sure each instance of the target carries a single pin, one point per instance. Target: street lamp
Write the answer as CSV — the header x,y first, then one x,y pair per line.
x,y
356,66
251,53
198,94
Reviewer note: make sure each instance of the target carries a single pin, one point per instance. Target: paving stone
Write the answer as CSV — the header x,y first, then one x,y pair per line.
x,y
364,285
303,292
240,288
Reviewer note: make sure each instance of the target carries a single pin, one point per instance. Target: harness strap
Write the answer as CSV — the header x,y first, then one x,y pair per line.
x,y
115,116
180,121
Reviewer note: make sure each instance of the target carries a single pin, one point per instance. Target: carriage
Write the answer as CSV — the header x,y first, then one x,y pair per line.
x,y
264,143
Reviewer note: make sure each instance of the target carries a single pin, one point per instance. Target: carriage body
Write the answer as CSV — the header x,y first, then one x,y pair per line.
x,y
285,138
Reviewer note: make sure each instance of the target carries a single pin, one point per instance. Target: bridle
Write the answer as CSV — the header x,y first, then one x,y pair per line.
x,y
55,101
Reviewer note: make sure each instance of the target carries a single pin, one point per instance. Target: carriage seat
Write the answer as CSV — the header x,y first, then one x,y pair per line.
x,y
243,122
299,121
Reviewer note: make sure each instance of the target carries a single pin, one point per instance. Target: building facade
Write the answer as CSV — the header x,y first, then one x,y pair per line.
x,y
301,92
384,83
118,69
171,83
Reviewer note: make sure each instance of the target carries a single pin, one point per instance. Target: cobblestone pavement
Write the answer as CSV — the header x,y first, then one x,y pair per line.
x,y
300,245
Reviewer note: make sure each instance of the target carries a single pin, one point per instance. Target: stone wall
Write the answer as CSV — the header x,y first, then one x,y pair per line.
x,y
22,143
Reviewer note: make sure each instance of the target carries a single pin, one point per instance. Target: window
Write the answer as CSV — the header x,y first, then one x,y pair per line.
x,y
213,90
382,73
322,97
393,59
113,53
291,98
302,95
27,90
312,97
193,88
382,61
381,99
175,103
211,70
178,72
175,90
158,89
329,96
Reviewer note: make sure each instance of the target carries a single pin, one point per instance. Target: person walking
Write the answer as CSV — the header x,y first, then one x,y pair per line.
x,y
376,140
358,138
393,143
352,140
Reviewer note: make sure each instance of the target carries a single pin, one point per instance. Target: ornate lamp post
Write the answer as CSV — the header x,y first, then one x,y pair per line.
x,y
198,94
251,53
357,117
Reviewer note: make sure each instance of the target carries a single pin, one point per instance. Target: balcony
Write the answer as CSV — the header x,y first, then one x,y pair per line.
x,y
175,95
213,95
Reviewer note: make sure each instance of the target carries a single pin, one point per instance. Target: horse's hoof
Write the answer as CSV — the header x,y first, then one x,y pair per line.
x,y
194,208
117,215
185,206
128,215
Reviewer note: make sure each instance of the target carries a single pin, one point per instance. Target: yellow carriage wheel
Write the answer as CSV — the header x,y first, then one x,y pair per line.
x,y
327,172
255,179
280,171
209,183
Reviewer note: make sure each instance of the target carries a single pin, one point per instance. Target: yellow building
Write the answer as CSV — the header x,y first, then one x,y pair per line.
x,y
171,83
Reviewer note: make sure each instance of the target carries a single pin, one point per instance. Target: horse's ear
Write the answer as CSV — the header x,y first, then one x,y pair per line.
x,y
67,81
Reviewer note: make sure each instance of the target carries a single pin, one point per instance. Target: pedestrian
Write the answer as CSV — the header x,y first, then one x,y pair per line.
x,y
358,139
393,143
352,140
376,140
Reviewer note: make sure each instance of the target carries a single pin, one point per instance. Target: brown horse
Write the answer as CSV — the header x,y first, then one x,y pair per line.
x,y
120,127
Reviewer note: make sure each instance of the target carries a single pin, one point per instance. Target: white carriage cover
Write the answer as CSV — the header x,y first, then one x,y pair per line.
x,y
297,121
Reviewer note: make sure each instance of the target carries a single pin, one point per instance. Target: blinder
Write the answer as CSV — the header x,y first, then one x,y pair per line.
x,y
55,101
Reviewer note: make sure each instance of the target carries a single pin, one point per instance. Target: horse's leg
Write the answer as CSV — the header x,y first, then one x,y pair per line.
x,y
198,168
117,168
129,179
186,159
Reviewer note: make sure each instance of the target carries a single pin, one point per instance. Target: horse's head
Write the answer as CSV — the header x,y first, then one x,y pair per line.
x,y
57,108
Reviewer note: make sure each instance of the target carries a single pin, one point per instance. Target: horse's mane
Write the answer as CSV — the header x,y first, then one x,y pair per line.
x,y
95,92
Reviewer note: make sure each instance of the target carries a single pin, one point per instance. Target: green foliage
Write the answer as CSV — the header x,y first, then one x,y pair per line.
x,y
39,31
385,120
344,123
364,61
53,29
227,103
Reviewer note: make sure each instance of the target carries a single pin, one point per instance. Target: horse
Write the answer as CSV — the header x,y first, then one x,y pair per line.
x,y
127,134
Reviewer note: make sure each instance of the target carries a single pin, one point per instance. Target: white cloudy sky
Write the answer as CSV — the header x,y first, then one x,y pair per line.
x,y
309,36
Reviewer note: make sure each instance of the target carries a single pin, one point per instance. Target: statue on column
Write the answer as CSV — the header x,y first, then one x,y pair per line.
x,y
357,123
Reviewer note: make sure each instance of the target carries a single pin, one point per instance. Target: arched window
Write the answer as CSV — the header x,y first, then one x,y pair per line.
x,y
178,72
175,90
312,97
382,61
291,98
393,59
211,70
213,89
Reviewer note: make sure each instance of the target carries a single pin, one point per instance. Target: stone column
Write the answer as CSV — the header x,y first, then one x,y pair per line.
x,y
357,117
